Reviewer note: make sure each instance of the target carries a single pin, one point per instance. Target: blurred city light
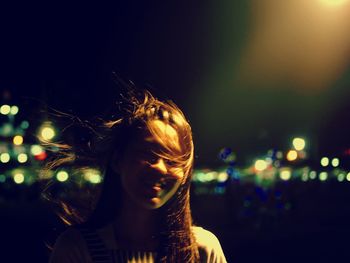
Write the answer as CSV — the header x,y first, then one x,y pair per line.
x,y
334,2
62,176
22,158
14,110
304,177
324,161
18,178
335,162
341,177
323,176
279,155
285,174
4,157
222,177
299,144
210,176
313,175
348,177
24,125
17,140
93,176
292,155
36,149
5,109
47,133
260,165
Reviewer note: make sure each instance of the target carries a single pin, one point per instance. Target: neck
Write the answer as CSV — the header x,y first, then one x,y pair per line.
x,y
136,227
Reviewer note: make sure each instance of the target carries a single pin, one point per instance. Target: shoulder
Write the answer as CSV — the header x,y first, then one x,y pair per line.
x,y
208,245
70,246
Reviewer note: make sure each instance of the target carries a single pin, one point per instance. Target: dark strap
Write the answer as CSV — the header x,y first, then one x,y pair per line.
x,y
97,248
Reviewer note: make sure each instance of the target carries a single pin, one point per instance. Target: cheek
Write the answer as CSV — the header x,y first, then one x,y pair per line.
x,y
172,189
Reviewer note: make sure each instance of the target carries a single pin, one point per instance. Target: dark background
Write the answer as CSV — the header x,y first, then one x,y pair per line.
x,y
202,55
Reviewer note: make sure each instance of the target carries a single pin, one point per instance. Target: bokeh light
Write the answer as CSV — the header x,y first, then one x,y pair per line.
x,y
299,144
304,177
62,176
313,175
279,155
22,158
285,174
335,162
5,109
14,110
24,125
36,149
47,133
222,177
260,165
18,178
348,177
17,140
341,177
334,2
5,157
323,176
292,155
324,161
93,176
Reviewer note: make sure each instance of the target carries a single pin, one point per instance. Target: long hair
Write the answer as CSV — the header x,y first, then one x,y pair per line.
x,y
103,204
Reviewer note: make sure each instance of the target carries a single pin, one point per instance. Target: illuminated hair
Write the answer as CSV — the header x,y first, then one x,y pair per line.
x,y
135,115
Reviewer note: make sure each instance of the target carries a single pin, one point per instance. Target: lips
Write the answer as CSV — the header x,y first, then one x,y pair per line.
x,y
151,188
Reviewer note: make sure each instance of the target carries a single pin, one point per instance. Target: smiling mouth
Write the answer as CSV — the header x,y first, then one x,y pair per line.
x,y
152,191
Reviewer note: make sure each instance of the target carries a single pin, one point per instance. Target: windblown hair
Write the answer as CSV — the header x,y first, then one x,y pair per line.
x,y
102,205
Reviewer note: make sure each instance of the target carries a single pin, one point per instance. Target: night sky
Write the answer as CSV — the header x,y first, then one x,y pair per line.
x,y
248,74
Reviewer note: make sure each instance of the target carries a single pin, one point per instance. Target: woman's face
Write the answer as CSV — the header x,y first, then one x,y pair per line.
x,y
148,179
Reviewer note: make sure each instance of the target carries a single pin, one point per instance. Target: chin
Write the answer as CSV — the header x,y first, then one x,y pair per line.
x,y
152,203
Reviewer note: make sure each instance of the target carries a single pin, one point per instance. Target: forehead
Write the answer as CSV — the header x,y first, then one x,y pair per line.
x,y
159,134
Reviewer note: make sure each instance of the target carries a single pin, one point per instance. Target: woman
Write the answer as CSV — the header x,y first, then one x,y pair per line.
x,y
143,212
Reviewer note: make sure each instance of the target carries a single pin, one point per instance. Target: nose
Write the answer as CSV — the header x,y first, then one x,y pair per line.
x,y
160,166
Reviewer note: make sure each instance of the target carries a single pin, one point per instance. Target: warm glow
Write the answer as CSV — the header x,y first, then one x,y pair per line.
x,y
341,177
17,140
324,161
47,133
260,165
335,162
5,109
299,144
334,2
285,174
222,177
300,41
14,110
323,176
348,177
62,176
292,155
93,176
18,178
4,157
22,158
36,149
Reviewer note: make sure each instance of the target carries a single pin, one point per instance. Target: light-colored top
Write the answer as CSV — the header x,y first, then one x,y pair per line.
x,y
74,246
